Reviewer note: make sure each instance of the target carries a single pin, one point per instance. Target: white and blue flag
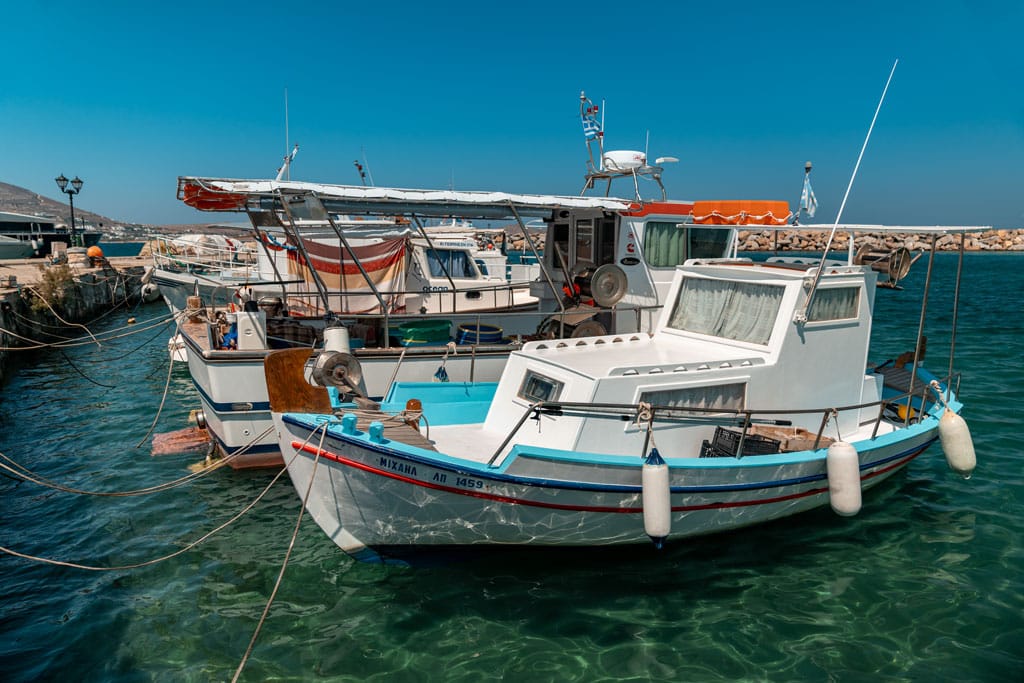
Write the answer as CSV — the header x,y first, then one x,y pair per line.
x,y
591,128
808,202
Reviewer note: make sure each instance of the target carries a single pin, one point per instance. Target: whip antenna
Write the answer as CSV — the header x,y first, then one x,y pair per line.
x,y
801,316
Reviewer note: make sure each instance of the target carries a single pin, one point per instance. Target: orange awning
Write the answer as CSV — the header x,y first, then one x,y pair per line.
x,y
741,212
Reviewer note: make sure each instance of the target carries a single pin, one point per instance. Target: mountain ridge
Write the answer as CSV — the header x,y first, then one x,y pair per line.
x,y
15,199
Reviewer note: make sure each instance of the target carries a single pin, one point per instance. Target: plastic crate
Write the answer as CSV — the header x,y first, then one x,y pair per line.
x,y
726,443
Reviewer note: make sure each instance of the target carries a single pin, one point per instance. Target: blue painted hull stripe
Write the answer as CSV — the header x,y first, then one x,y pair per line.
x,y
501,477
221,407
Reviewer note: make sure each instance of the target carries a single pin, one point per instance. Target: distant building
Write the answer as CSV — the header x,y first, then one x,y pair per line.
x,y
41,232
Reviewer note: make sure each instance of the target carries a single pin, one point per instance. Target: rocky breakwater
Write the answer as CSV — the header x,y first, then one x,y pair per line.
x,y
812,241
44,304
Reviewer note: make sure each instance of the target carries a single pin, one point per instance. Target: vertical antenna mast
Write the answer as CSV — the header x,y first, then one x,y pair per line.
x,y
287,171
367,165
800,317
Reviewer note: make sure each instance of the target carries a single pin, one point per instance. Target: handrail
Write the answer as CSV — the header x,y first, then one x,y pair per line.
x,y
744,418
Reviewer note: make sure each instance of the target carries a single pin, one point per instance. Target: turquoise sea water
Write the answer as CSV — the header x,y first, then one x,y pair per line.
x,y
926,584
111,249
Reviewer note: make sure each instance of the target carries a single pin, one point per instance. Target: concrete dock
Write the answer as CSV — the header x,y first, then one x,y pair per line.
x,y
37,296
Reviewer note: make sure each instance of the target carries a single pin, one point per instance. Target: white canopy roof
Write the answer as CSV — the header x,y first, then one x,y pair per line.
x,y
215,194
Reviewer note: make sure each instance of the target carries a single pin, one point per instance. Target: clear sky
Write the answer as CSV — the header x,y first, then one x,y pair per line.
x,y
484,96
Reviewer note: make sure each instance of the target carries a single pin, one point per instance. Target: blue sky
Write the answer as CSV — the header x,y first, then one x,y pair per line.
x,y
479,95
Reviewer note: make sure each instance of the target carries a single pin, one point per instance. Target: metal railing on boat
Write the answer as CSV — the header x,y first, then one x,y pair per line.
x,y
742,418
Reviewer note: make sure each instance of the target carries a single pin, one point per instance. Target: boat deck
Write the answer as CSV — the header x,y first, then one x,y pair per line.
x,y
395,429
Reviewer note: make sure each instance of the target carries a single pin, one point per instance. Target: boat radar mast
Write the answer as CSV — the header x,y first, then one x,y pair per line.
x,y
614,163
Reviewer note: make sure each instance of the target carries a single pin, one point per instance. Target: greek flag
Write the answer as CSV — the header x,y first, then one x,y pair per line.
x,y
808,202
591,128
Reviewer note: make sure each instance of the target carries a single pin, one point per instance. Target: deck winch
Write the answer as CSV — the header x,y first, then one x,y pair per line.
x,y
895,264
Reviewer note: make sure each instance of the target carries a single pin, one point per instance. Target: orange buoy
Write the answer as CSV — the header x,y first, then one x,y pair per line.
x,y
94,252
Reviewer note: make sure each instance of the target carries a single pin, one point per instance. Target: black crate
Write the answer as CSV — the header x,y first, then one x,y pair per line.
x,y
726,443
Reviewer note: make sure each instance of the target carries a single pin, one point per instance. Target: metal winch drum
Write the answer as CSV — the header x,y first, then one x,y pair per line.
x,y
606,284
340,370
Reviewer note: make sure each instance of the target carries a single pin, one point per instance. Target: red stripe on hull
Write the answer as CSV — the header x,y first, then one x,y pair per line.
x,y
557,506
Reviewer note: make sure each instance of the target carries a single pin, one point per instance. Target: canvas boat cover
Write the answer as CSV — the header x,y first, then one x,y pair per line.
x,y
211,194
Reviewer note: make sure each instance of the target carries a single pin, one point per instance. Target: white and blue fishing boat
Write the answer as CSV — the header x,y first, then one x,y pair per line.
x,y
753,399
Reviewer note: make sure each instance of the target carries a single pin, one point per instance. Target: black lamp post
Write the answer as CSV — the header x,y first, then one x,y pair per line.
x,y
76,187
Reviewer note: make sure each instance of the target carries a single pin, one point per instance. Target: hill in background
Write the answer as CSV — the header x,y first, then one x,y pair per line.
x,y
19,200
16,199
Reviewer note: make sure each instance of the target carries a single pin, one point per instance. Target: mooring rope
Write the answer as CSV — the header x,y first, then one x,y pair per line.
x,y
57,315
186,548
142,328
74,367
25,474
167,387
193,544
291,546
71,342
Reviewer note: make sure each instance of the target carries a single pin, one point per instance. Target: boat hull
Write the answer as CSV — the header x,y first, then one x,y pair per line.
x,y
232,390
372,494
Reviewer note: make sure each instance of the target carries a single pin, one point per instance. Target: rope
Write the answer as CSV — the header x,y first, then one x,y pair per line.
x,y
645,420
167,387
57,316
160,326
71,342
193,544
26,474
76,369
288,553
189,546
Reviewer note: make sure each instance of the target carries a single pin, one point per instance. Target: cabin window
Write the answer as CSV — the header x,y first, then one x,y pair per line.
x,y
455,263
715,397
585,240
742,311
664,244
536,388
709,242
482,267
668,244
834,303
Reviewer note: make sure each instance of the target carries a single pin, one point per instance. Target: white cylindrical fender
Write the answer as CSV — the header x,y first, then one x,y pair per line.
x,y
656,497
150,292
957,444
843,468
336,339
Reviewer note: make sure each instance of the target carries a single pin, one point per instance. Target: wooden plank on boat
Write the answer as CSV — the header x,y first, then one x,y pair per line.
x,y
394,429
287,387
898,378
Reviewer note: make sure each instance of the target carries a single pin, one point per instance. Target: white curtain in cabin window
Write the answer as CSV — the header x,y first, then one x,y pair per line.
x,y
721,396
743,311
834,303
664,244
457,263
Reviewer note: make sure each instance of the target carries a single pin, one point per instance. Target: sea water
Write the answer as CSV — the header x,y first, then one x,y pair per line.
x,y
925,584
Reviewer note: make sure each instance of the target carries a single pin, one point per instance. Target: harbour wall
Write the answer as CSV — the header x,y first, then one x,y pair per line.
x,y
41,303
807,240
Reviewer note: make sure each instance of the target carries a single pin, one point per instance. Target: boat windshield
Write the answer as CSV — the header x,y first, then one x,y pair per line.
x,y
737,310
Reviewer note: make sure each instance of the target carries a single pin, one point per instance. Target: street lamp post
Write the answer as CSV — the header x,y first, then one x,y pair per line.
x,y
76,187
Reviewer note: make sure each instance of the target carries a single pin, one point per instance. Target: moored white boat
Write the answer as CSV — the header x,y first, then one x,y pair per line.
x,y
606,267
753,400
